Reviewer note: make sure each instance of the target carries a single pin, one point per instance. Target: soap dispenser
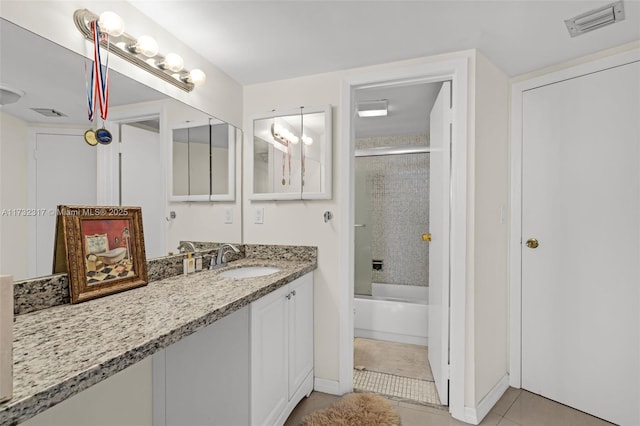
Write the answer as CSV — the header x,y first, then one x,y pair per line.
x,y
189,264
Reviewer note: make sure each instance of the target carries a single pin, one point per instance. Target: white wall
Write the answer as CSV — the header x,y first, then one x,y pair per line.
x,y
491,188
13,195
301,222
298,222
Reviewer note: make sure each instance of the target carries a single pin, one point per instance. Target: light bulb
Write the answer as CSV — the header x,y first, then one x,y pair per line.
x,y
172,62
111,24
145,45
307,140
197,77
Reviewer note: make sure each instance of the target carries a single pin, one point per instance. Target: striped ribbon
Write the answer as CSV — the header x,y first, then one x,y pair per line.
x,y
98,89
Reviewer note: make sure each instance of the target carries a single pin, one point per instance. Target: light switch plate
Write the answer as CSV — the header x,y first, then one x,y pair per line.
x,y
259,215
228,215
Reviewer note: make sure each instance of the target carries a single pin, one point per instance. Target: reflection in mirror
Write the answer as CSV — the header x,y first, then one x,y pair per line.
x,y
180,147
222,143
191,163
67,170
292,155
277,155
313,143
203,162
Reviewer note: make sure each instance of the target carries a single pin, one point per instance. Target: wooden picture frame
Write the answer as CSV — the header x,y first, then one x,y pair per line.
x,y
101,248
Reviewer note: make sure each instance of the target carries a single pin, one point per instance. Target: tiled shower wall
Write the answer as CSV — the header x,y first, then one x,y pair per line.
x,y
399,204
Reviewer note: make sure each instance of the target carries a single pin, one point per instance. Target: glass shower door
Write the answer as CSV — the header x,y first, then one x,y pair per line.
x,y
362,231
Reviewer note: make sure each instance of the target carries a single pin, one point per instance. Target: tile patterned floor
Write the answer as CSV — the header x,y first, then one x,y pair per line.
x,y
396,387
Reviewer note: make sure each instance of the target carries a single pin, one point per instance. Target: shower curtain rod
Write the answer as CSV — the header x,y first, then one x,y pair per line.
x,y
394,150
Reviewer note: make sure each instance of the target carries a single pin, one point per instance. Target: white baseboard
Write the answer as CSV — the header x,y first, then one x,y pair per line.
x,y
327,386
474,415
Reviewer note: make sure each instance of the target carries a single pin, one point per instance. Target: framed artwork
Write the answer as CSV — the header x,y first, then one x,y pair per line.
x,y
101,248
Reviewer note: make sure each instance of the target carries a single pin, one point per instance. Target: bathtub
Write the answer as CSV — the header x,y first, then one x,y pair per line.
x,y
395,313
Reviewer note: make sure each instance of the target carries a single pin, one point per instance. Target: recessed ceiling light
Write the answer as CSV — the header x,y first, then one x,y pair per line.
x,y
596,18
9,95
377,108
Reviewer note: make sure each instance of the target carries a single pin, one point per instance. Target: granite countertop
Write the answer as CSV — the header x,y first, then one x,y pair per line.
x,y
63,350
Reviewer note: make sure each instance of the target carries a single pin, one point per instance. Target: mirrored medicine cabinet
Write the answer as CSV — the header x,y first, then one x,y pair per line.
x,y
203,161
291,155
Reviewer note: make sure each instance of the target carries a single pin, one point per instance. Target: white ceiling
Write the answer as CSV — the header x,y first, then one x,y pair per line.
x,y
259,41
409,107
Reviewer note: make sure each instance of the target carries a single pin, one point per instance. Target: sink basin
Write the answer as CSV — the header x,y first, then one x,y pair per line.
x,y
249,272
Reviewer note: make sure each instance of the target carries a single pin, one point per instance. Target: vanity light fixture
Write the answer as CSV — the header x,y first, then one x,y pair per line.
x,y
283,135
141,51
378,108
145,45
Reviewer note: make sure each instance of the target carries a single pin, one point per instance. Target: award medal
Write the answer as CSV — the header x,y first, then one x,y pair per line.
x,y
98,90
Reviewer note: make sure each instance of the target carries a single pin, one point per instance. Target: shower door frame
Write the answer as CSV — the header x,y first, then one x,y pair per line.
x,y
454,69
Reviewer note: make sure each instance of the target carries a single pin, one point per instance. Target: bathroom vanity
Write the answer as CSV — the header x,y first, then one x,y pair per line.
x,y
203,331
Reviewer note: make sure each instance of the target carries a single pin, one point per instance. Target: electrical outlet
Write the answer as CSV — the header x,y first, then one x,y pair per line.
x,y
259,215
228,215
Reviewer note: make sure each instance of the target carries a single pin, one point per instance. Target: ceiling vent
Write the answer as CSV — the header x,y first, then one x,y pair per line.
x,y
596,18
48,112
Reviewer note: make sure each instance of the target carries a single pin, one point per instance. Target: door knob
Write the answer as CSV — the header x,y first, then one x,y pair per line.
x,y
532,243
426,237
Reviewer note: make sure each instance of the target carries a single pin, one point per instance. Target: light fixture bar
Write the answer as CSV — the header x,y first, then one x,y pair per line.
x,y
83,17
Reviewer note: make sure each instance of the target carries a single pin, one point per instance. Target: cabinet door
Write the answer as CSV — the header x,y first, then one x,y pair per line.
x,y
269,343
207,381
300,331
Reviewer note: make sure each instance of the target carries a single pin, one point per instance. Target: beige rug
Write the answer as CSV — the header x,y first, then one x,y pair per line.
x,y
392,358
355,409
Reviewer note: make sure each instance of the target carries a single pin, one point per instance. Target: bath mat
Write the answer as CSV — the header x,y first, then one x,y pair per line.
x,y
355,409
399,359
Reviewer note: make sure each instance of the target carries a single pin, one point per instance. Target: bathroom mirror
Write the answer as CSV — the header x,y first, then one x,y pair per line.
x,y
28,223
203,161
291,155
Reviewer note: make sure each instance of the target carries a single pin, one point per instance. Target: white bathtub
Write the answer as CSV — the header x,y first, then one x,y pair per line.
x,y
395,313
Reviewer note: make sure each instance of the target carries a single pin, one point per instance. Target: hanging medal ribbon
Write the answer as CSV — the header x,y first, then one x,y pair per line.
x,y
90,135
98,90
100,75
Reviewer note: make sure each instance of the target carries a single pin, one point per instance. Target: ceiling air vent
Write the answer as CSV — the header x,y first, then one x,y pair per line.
x,y
596,18
48,112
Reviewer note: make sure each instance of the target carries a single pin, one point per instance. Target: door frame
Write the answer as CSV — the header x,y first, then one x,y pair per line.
x,y
515,232
456,70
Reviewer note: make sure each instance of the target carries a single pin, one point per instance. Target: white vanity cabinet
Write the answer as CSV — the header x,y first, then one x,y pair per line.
x,y
281,351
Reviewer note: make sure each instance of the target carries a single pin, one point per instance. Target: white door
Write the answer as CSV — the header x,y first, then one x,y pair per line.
x,y
440,140
581,201
142,183
65,173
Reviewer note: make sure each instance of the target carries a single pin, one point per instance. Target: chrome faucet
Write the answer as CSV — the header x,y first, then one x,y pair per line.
x,y
221,260
186,247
